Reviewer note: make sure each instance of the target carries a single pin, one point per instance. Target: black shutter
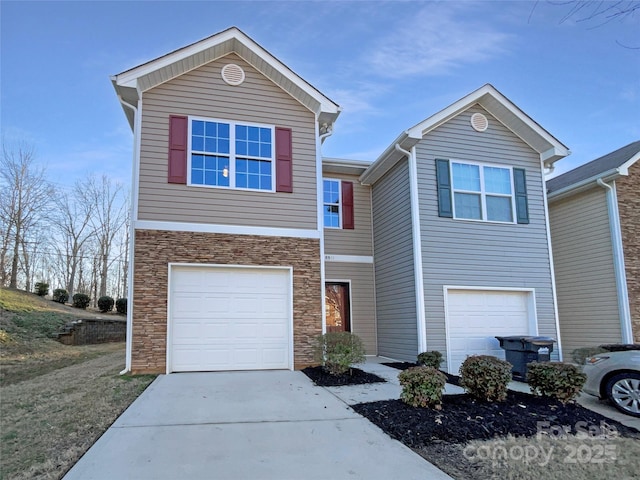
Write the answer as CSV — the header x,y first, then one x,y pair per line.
x,y
443,177
520,188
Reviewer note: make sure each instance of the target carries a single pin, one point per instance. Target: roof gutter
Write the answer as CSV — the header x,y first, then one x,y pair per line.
x,y
586,183
320,218
136,147
618,261
417,245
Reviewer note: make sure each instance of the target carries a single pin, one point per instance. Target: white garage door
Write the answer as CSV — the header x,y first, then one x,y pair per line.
x,y
229,318
475,317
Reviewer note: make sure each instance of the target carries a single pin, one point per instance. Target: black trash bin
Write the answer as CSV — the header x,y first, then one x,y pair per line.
x,y
520,350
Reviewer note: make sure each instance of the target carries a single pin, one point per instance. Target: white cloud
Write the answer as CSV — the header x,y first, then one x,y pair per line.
x,y
439,38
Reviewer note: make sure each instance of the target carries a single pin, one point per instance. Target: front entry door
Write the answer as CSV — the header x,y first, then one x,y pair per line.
x,y
337,307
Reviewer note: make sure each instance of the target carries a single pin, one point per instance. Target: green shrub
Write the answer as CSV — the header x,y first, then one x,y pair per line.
x,y
105,304
337,351
422,387
430,359
580,355
41,289
60,295
558,380
121,306
485,377
81,300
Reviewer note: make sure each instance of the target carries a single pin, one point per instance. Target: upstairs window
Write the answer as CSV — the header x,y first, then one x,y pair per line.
x,y
482,192
231,155
337,204
331,200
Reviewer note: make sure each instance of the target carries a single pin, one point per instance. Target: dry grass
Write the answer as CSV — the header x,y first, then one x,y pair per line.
x,y
56,400
50,420
587,458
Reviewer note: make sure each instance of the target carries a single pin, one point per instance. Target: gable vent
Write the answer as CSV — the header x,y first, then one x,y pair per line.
x,y
232,74
479,122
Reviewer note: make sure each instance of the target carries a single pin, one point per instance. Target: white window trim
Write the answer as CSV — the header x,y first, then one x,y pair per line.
x,y
232,154
482,193
339,227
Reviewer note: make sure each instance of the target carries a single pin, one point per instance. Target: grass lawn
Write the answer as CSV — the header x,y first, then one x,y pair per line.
x,y
56,400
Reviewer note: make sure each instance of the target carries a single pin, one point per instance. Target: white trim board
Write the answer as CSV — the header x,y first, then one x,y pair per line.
x,y
348,258
225,229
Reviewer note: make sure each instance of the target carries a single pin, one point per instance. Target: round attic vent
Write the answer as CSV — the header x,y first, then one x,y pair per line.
x,y
479,122
232,74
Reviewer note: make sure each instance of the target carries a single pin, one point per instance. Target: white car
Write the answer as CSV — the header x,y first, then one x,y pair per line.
x,y
615,375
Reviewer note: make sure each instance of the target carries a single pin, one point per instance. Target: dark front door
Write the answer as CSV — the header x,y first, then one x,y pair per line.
x,y
337,307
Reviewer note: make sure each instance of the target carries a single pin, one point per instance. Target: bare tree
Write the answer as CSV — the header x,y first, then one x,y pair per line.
x,y
75,229
594,13
25,193
109,212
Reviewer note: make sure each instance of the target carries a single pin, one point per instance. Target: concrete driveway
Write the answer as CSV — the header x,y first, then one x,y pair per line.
x,y
245,425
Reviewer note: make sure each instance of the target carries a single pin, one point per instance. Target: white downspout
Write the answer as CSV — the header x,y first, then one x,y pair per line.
x,y
618,261
132,218
320,218
417,246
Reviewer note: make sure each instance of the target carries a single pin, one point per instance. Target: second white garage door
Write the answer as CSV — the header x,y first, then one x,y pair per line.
x,y
229,318
475,317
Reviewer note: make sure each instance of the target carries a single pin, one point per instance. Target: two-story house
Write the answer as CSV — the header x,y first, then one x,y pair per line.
x,y
247,244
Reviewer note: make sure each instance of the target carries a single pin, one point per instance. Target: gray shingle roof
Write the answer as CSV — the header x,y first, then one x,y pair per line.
x,y
599,165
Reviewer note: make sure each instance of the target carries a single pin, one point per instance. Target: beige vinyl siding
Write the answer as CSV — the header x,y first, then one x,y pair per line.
x,y
359,240
585,276
394,272
203,93
363,312
474,253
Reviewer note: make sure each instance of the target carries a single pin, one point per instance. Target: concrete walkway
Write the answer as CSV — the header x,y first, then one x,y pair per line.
x,y
246,425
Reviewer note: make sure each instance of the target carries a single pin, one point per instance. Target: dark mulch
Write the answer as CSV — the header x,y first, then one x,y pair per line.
x,y
355,376
463,419
452,379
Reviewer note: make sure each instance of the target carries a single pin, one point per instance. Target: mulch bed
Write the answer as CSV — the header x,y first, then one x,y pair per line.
x,y
463,418
355,376
452,379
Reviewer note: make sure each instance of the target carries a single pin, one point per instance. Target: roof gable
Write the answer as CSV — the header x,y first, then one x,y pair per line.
x,y
506,112
131,83
607,167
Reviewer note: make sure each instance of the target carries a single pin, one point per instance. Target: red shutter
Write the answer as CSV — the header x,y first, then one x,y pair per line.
x,y
284,160
347,205
178,130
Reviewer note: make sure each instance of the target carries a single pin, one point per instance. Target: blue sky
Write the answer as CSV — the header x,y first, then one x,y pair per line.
x,y
388,64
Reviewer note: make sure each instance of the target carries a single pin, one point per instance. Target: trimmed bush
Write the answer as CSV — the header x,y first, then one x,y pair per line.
x,y
60,295
337,351
430,359
485,377
422,387
121,306
81,300
105,304
580,355
41,289
558,380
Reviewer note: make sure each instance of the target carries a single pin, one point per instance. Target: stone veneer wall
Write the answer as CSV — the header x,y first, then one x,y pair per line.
x,y
628,190
154,250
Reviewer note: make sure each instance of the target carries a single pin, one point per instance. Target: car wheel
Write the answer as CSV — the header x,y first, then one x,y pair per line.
x,y
624,391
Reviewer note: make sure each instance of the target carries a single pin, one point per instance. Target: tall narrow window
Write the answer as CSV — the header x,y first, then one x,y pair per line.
x,y
331,199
